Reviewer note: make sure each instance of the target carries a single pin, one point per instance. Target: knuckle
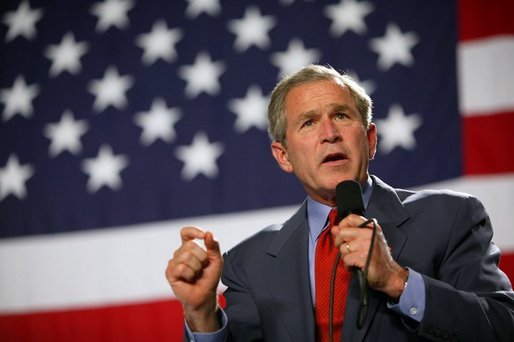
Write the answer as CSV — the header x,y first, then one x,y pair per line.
x,y
184,272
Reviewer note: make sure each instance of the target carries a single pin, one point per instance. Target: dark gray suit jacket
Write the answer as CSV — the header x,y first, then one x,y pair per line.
x,y
446,236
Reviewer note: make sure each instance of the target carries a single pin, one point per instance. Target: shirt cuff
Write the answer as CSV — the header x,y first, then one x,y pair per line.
x,y
219,335
412,299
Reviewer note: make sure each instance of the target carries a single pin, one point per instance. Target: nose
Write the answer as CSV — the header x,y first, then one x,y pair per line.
x,y
328,131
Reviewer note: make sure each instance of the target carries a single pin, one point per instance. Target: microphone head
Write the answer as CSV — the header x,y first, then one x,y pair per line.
x,y
349,199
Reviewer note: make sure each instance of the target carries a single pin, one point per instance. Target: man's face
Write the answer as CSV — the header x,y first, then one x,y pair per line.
x,y
326,140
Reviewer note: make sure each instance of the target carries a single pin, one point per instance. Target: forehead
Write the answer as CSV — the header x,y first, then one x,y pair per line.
x,y
316,96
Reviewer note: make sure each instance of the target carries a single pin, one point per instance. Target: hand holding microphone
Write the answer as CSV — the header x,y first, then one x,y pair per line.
x,y
365,251
384,274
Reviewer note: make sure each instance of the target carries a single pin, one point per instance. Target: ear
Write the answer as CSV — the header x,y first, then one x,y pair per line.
x,y
372,140
279,152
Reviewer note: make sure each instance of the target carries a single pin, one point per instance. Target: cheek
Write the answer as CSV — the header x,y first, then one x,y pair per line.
x,y
361,147
301,159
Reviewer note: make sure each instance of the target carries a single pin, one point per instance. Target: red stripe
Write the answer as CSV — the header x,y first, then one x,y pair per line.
x,y
484,18
149,321
507,265
156,321
488,144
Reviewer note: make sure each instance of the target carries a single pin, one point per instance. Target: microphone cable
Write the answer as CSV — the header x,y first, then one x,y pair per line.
x,y
363,284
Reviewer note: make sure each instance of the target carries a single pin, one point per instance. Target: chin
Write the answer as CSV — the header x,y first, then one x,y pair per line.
x,y
342,179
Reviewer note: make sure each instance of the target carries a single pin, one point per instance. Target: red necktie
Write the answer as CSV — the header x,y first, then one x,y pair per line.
x,y
326,254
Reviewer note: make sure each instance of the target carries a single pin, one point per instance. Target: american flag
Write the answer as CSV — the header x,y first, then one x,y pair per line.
x,y
124,120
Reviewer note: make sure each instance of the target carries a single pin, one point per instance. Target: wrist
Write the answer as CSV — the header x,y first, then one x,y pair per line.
x,y
203,322
399,284
204,319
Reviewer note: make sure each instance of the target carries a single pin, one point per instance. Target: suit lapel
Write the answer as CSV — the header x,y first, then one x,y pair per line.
x,y
390,213
287,277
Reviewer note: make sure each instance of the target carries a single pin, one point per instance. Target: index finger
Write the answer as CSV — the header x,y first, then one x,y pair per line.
x,y
353,220
191,233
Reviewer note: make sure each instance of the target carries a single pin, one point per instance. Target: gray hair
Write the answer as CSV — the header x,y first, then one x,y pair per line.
x,y
312,73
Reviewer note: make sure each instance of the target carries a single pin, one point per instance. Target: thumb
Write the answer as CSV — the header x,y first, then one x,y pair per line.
x,y
212,245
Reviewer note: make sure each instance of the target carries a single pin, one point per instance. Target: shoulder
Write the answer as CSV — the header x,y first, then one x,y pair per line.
x,y
258,241
269,238
437,198
440,200
440,210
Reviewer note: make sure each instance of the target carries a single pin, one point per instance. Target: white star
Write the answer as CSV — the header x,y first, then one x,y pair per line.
x,y
348,15
202,76
65,135
394,47
159,43
252,29
197,7
65,56
397,129
13,177
199,157
158,122
104,169
18,99
22,22
251,110
296,57
110,90
112,13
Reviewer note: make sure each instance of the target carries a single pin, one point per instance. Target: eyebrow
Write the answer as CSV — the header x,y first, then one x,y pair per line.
x,y
332,106
344,107
304,116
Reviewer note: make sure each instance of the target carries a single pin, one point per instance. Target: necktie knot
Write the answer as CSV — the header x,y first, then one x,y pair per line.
x,y
333,217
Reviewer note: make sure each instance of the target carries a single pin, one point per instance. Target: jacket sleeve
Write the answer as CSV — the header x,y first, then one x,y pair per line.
x,y
469,298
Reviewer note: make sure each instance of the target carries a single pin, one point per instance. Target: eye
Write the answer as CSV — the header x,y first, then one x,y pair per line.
x,y
308,123
341,116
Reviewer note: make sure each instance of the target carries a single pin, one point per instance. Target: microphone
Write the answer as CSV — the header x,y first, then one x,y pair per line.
x,y
349,201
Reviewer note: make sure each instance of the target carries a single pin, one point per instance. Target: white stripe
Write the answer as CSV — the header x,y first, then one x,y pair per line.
x,y
117,265
486,75
127,264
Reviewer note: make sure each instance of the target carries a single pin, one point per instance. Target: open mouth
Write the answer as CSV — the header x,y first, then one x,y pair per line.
x,y
334,157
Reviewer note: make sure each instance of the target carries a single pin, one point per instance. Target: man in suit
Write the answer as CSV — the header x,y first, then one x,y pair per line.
x,y
433,271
